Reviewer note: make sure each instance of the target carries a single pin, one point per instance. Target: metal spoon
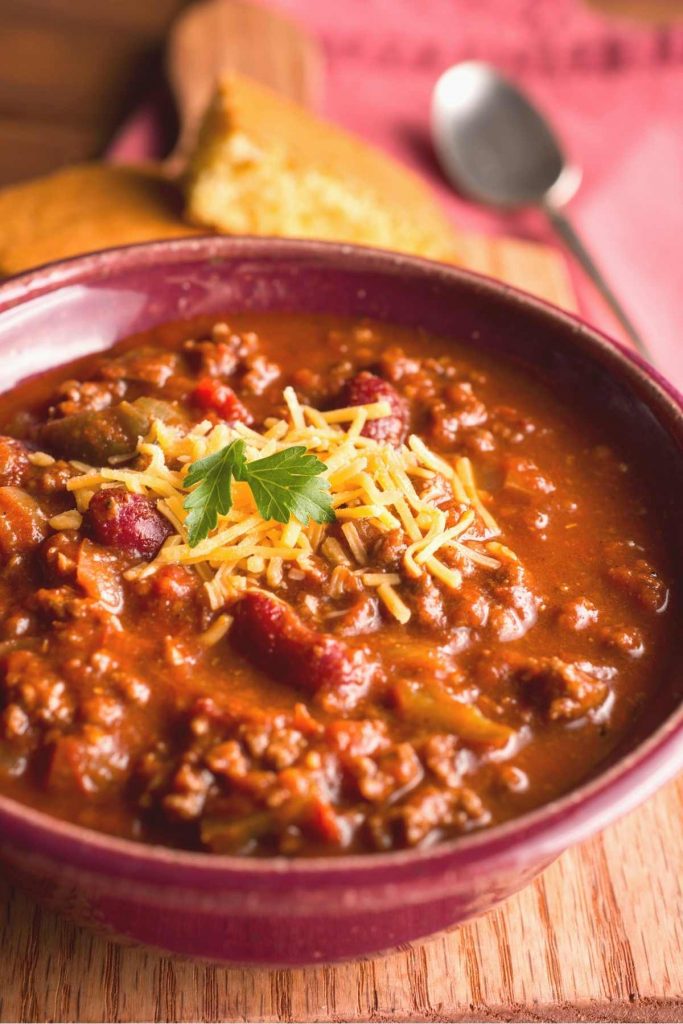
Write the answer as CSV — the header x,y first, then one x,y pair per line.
x,y
496,148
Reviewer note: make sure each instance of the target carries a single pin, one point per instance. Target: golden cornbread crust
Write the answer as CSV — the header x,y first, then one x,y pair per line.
x,y
265,166
83,208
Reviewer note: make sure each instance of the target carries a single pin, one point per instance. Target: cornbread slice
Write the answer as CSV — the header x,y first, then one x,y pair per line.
x,y
83,208
265,166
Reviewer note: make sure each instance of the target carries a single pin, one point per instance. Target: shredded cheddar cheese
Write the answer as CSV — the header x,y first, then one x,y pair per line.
x,y
398,608
369,482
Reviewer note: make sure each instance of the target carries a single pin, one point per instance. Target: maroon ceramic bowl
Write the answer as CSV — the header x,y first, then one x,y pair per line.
x,y
295,912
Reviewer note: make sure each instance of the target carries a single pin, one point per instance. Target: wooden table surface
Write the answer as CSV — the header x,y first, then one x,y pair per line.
x,y
598,936
56,109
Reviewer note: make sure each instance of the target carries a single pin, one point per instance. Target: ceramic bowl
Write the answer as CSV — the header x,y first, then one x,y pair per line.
x,y
296,912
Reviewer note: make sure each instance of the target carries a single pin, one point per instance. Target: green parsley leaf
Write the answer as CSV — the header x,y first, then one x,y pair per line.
x,y
287,484
284,484
214,474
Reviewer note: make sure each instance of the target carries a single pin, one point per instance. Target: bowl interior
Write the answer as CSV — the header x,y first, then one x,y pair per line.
x,y
60,313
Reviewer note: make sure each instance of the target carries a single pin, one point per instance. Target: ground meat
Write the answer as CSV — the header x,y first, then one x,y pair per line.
x,y
627,639
29,684
458,411
640,580
191,786
146,365
170,592
479,442
254,781
396,366
59,556
516,606
252,778
358,737
425,815
388,550
309,385
213,358
59,603
53,478
102,709
428,603
89,395
524,478
394,770
67,556
577,615
260,374
90,761
17,622
362,617
14,462
446,759
510,426
473,606
565,690
470,410
208,355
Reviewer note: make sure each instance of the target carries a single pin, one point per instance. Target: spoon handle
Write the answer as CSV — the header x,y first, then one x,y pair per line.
x,y
569,236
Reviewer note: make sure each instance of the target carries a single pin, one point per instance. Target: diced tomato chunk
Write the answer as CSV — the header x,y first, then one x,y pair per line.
x,y
215,396
23,523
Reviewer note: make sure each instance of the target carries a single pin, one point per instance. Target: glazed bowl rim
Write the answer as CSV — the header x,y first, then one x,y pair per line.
x,y
548,829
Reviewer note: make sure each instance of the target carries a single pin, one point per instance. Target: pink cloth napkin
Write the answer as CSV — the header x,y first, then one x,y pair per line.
x,y
614,90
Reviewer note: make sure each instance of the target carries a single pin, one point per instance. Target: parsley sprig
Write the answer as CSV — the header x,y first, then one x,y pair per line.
x,y
283,485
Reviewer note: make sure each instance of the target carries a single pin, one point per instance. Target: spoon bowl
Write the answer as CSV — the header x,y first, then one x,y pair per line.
x,y
497,148
493,144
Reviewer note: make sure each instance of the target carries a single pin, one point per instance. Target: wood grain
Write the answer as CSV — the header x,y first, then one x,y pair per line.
x,y
598,937
216,36
55,109
662,12
69,72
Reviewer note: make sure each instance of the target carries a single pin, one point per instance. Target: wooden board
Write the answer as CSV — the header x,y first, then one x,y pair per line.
x,y
598,937
55,110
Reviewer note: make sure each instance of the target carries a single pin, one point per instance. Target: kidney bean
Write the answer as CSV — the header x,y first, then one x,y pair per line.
x,y
273,637
367,387
129,522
